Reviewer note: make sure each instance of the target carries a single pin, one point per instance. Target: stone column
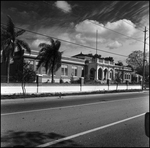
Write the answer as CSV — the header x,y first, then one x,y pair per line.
x,y
107,75
113,74
97,73
34,65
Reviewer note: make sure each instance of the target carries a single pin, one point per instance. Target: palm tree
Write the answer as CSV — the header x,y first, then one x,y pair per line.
x,y
50,57
9,42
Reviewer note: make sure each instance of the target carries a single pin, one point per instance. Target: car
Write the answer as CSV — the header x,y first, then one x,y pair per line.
x,y
147,124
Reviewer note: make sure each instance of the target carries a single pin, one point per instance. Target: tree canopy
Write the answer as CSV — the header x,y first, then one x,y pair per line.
x,y
135,59
10,42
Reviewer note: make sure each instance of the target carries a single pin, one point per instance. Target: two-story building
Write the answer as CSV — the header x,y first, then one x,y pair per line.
x,y
81,65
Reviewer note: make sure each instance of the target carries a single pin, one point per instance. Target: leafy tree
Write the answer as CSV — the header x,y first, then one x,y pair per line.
x,y
119,63
50,57
135,59
118,77
10,41
24,74
28,74
97,56
109,59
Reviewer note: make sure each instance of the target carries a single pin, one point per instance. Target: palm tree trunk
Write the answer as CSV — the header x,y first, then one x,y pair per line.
x,y
8,68
52,77
53,69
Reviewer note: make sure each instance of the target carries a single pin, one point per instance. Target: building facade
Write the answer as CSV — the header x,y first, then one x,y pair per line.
x,y
78,66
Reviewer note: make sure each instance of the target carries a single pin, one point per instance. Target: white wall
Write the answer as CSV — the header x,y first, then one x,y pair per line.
x,y
53,89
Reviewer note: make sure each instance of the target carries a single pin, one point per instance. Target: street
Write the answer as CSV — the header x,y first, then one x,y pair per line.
x,y
106,120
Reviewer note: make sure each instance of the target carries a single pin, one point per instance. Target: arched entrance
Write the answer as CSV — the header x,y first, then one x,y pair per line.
x,y
111,75
92,74
100,71
105,74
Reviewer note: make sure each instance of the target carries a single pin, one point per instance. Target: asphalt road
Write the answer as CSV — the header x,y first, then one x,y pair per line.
x,y
108,120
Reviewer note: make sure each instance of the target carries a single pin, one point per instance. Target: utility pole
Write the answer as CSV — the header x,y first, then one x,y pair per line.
x,y
96,40
143,80
96,57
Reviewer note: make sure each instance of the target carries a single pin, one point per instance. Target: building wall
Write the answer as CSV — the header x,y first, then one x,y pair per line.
x,y
65,78
69,62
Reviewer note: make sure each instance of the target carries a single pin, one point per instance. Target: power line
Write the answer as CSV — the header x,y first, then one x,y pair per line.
x,y
119,33
67,41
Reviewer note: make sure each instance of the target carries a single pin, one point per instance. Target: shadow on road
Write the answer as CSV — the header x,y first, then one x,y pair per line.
x,y
33,139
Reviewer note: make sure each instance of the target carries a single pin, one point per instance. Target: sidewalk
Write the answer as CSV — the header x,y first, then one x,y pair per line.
x,y
64,96
52,96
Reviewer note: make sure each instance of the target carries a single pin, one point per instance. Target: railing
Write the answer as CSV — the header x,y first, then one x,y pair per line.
x,y
127,68
100,61
112,63
106,62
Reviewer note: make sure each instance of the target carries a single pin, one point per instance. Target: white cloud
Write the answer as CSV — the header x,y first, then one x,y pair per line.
x,y
63,5
88,30
88,26
114,45
36,43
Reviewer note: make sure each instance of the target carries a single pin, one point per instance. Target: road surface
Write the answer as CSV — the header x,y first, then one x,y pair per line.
x,y
104,120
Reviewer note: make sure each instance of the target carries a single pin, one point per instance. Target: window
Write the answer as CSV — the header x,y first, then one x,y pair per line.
x,y
64,70
74,71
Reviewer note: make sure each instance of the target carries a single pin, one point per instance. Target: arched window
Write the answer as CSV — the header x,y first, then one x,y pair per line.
x,y
92,74
105,74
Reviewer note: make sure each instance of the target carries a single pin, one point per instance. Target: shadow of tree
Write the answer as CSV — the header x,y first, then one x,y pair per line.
x,y
33,139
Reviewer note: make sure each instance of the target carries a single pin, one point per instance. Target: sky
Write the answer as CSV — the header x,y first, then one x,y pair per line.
x,y
88,23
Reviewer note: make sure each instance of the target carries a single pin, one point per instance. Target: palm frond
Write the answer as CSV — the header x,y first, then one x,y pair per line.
x,y
5,35
57,44
3,56
20,32
3,27
11,51
42,45
58,61
40,63
24,45
5,43
10,27
52,42
6,48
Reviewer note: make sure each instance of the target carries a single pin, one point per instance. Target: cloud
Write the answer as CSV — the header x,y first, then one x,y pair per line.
x,y
88,28
114,45
36,43
63,5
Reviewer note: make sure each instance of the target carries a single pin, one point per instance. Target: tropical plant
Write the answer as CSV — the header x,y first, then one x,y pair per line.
x,y
50,57
10,42
28,74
